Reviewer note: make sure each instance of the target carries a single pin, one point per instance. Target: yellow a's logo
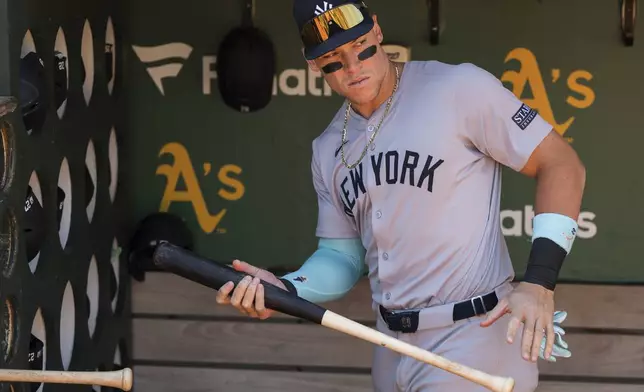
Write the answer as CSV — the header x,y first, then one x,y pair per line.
x,y
530,75
183,167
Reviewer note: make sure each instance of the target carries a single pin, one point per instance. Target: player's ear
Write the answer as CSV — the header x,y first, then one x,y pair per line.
x,y
313,66
311,63
377,31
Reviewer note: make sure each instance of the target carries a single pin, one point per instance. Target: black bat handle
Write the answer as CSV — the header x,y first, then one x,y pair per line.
x,y
187,264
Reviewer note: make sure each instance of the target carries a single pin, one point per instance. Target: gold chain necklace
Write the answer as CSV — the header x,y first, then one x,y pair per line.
x,y
375,132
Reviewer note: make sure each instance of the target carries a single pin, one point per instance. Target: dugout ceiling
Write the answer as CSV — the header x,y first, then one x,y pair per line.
x,y
248,174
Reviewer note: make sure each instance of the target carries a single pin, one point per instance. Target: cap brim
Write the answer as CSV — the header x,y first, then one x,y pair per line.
x,y
339,40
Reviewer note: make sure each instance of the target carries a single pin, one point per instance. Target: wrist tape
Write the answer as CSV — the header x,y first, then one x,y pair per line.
x,y
552,239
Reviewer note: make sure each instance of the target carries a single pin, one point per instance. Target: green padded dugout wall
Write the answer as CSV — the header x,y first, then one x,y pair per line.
x,y
73,295
249,175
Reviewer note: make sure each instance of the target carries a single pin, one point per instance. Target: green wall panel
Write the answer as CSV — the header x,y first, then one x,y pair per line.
x,y
565,58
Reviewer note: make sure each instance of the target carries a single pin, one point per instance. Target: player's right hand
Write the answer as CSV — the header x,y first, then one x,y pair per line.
x,y
248,296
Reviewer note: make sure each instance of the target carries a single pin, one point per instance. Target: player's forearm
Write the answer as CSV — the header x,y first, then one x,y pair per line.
x,y
560,188
331,271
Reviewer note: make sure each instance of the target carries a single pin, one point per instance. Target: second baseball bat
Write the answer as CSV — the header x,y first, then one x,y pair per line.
x,y
121,379
209,273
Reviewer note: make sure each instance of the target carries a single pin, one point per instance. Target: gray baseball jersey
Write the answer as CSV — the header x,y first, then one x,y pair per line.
x,y
425,198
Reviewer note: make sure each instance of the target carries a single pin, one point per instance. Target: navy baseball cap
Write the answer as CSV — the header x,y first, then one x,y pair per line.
x,y
33,224
326,25
33,102
60,79
60,204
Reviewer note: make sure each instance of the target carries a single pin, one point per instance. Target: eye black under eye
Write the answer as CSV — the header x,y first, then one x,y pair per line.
x,y
332,67
367,53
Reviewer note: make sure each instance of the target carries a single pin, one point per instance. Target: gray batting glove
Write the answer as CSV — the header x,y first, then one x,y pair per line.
x,y
560,347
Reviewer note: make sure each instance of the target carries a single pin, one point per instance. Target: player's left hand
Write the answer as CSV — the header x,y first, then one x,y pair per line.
x,y
560,347
532,305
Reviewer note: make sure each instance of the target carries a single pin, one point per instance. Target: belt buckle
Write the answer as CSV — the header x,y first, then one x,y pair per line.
x,y
480,298
405,321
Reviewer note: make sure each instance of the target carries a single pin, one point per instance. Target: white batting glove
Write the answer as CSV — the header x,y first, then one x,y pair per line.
x,y
560,347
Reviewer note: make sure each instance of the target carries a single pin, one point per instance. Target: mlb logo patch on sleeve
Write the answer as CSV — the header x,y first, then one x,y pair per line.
x,y
524,116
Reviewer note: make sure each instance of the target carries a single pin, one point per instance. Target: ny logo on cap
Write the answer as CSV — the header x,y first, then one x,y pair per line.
x,y
322,9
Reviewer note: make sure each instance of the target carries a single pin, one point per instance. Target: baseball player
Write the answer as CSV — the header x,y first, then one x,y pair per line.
x,y
408,183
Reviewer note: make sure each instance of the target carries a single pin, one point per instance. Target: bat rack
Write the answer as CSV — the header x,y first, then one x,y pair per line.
x,y
248,13
433,9
627,10
628,15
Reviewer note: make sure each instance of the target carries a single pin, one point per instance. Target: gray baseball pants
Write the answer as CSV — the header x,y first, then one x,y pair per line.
x,y
465,342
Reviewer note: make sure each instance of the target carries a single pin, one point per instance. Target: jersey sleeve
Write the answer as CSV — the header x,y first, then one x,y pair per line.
x,y
499,124
331,221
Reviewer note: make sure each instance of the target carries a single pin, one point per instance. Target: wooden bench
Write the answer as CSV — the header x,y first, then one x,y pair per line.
x,y
184,341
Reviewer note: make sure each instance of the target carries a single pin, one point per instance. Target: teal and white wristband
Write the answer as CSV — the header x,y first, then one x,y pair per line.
x,y
552,238
561,229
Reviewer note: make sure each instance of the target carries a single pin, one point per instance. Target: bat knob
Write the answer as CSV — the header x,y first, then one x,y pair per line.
x,y
127,380
507,385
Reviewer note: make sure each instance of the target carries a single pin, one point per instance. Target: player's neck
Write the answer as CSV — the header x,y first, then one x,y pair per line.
x,y
386,89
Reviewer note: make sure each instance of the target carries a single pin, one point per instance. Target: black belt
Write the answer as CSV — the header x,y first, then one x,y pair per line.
x,y
406,321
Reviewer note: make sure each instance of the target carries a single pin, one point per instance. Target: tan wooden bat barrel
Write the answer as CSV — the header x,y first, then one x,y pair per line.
x,y
121,379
